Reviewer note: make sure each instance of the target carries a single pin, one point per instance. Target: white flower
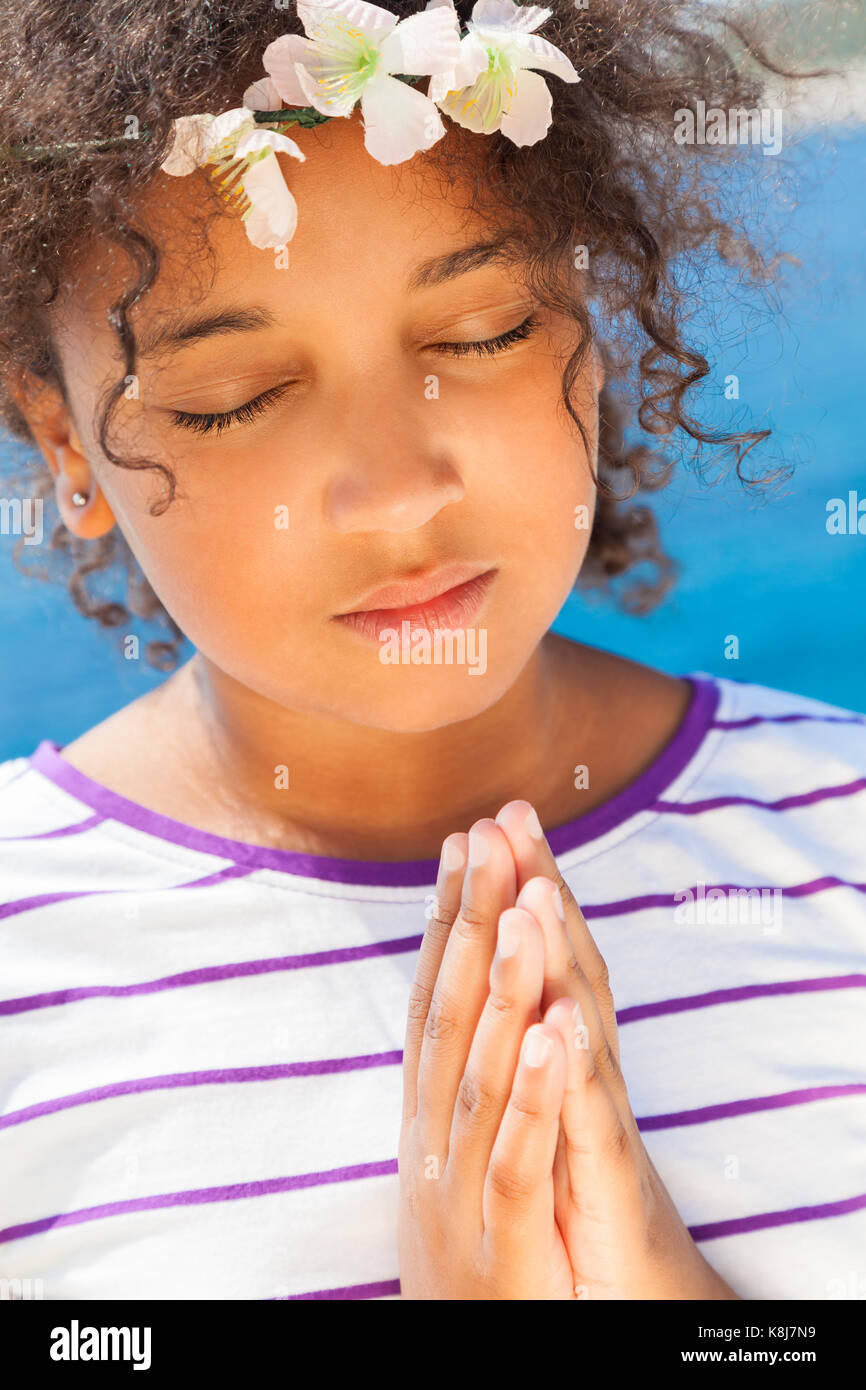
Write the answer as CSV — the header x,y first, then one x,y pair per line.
x,y
491,86
350,54
246,169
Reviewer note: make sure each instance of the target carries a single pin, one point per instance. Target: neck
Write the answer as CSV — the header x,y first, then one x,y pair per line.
x,y
362,793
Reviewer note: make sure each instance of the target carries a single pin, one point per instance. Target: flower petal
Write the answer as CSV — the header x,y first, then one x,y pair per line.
x,y
424,43
479,107
190,146
272,217
471,63
398,120
504,14
528,116
319,16
279,60
226,130
531,51
263,96
268,139
324,98
464,110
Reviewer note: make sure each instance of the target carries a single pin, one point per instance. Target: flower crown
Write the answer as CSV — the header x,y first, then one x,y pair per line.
x,y
357,52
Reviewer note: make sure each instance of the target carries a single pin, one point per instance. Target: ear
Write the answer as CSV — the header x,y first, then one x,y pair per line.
x,y
54,431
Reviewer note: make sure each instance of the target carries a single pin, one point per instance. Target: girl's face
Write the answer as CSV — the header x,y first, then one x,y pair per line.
x,y
377,452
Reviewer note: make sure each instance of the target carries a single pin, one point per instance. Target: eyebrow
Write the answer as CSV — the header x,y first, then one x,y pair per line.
x,y
175,331
504,250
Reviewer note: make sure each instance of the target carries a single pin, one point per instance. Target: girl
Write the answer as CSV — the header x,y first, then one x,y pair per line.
x,y
317,322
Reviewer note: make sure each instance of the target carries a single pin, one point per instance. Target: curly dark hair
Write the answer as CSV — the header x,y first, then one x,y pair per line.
x,y
608,166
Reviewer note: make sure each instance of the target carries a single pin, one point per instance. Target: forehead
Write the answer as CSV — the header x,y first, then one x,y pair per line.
x,y
364,232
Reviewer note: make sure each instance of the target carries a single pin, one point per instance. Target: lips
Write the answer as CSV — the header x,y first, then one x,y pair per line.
x,y
450,597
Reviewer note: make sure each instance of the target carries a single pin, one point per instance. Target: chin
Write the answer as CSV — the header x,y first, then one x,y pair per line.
x,y
419,701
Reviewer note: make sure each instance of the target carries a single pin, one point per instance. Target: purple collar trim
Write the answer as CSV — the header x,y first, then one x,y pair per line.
x,y
411,873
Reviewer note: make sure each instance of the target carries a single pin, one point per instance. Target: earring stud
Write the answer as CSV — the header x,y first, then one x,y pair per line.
x,y
79,499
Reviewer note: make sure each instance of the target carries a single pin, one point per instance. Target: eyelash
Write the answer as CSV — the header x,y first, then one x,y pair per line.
x,y
489,346
250,410
221,419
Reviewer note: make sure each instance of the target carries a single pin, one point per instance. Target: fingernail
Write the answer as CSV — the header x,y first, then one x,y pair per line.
x,y
557,903
479,849
508,936
581,1032
532,825
538,1049
450,859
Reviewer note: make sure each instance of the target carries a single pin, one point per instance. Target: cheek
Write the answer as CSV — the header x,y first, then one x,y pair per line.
x,y
533,480
235,559
249,591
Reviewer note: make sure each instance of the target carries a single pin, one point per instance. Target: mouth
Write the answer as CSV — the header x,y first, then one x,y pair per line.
x,y
450,597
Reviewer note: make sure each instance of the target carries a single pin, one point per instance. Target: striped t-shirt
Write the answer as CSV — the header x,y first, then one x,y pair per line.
x,y
200,1039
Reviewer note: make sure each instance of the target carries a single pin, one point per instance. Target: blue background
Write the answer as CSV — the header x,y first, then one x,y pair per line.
x,y
770,574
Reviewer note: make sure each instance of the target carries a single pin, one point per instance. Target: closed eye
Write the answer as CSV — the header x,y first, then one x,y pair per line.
x,y
221,419
244,414
488,346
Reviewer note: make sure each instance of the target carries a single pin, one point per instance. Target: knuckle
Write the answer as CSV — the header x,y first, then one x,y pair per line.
x,y
593,1077
589,1208
605,1063
526,1109
569,901
509,1184
419,1003
470,921
440,921
502,1006
601,979
476,1100
611,1061
442,1024
572,967
618,1145
576,1146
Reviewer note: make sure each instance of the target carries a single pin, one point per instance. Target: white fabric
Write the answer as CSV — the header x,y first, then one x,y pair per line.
x,y
254,1135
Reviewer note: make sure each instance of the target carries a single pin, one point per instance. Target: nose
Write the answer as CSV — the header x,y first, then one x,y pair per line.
x,y
394,472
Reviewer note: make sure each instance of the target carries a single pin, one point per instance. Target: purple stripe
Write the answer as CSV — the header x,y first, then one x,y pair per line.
x,y
224,1076
415,873
730,996
754,719
77,828
210,974
380,1290
339,1065
785,803
342,955
199,1196
12,909
650,900
385,1168
732,1108
741,1225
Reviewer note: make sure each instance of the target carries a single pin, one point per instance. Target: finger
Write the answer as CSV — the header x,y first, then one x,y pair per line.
x,y
533,856
518,1202
563,976
600,1149
516,978
462,984
443,909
